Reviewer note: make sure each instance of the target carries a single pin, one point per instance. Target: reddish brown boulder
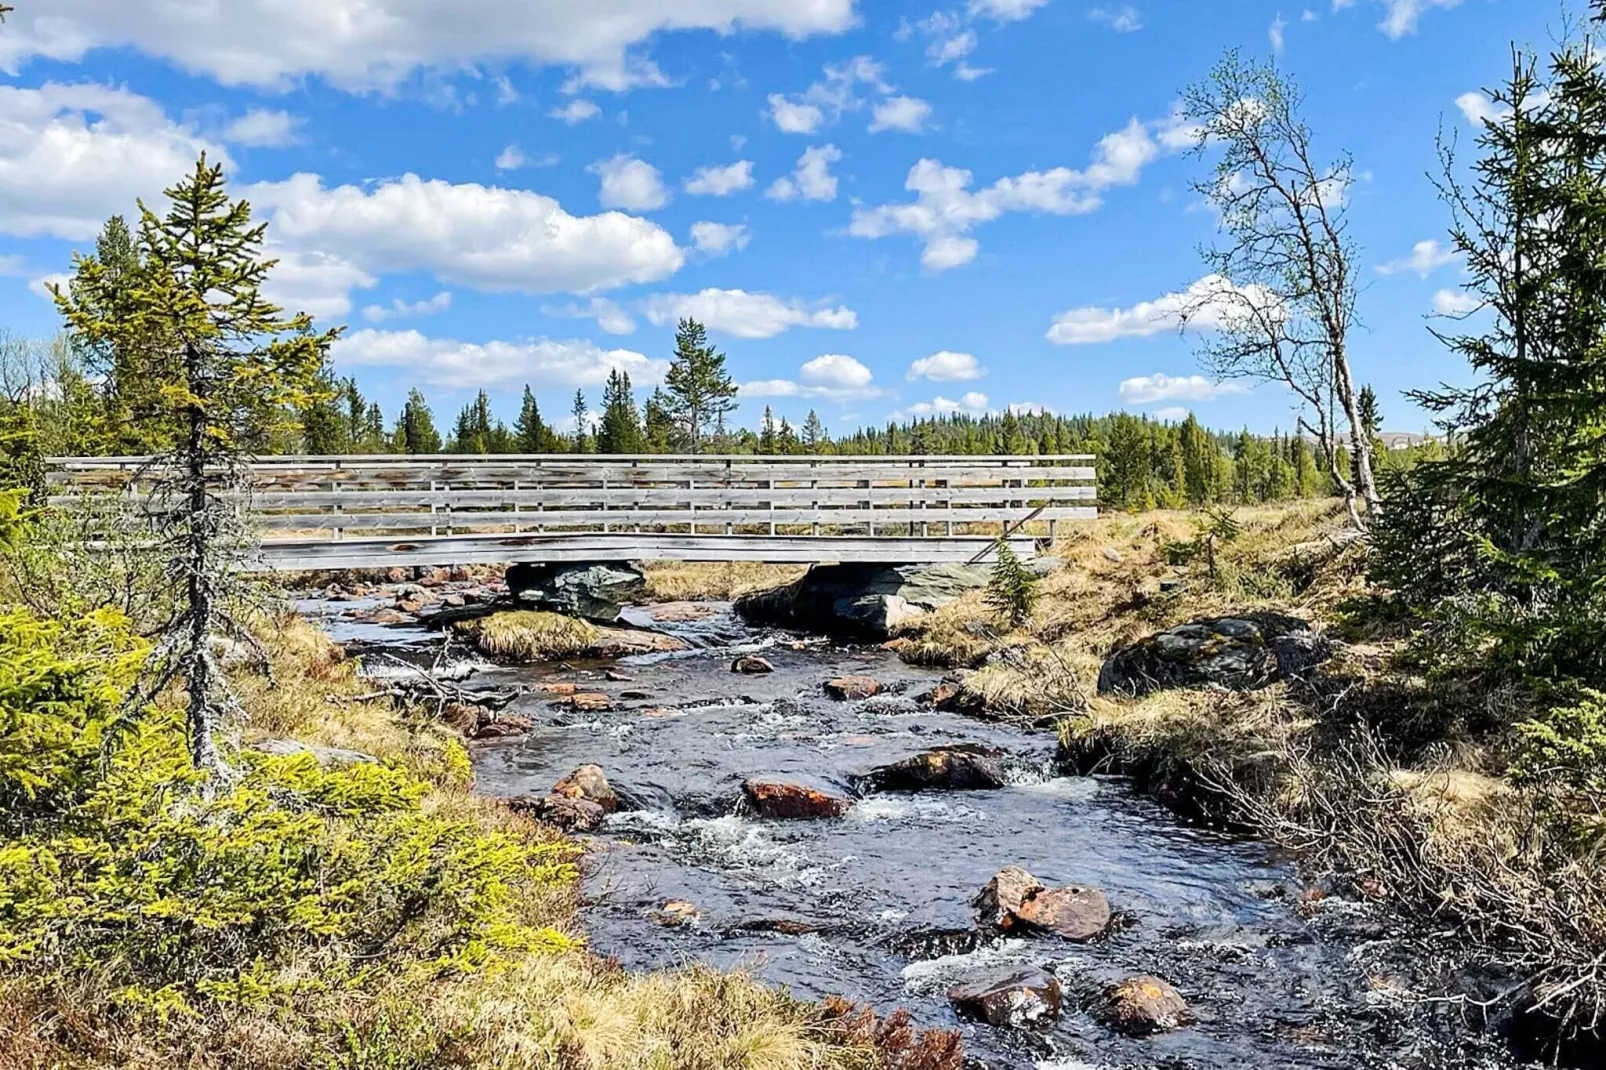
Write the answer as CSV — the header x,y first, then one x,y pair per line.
x,y
788,800
1075,913
387,616
590,702
752,665
1025,997
558,688
589,783
998,904
1139,1006
941,697
852,688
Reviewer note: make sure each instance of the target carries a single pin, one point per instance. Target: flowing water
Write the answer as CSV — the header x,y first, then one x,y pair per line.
x,y
873,906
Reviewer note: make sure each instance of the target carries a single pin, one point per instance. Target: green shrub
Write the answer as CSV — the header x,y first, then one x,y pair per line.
x,y
1566,746
174,892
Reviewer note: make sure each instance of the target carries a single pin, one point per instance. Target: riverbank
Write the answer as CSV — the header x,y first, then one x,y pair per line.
x,y
346,902
1398,785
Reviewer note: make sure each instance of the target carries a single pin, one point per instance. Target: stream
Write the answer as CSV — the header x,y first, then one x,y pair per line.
x,y
874,907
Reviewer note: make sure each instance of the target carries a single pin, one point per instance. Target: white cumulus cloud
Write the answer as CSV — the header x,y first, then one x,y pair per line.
x,y
746,315
719,239
908,114
1121,19
1454,302
264,128
973,403
378,44
834,376
812,179
630,183
1149,389
1209,300
947,367
1426,257
575,111
946,209
315,283
610,317
542,363
1400,17
399,309
715,181
484,237
71,155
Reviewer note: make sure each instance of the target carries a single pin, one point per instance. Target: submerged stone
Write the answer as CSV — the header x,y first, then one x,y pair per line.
x,y
961,767
590,783
1022,998
852,688
1139,1006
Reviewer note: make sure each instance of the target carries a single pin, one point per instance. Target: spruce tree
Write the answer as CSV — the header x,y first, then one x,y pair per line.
x,y
415,428
228,363
700,390
620,430
815,436
583,442
1012,588
659,423
530,435
1518,509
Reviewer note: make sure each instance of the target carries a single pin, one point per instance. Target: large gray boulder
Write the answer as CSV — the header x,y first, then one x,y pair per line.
x,y
597,592
871,600
1242,652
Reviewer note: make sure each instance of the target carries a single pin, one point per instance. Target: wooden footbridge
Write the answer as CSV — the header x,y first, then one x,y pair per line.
x,y
379,511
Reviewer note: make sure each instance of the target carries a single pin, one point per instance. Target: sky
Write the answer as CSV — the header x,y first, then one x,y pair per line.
x,y
879,210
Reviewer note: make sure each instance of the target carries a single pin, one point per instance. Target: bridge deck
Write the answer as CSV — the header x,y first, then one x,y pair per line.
x,y
351,512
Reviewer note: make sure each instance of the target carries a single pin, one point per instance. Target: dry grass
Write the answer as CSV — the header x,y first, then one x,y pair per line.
x,y
548,1011
1108,594
697,581
529,635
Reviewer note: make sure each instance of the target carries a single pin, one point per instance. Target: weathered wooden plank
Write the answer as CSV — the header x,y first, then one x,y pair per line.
x,y
336,460
625,498
656,517
485,549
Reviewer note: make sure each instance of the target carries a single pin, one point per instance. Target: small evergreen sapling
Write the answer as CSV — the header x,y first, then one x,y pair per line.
x,y
1012,590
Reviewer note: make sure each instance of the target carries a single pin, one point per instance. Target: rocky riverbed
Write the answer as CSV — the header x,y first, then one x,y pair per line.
x,y
852,840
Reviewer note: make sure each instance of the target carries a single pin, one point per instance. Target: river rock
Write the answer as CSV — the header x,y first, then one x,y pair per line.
x,y
999,902
628,642
789,800
752,665
678,914
598,592
852,688
589,783
328,757
500,725
859,599
1139,1006
960,767
681,612
386,616
1015,900
571,815
590,702
1075,913
1242,652
1025,997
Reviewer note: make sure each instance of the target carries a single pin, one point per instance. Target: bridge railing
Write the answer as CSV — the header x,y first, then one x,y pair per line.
x,y
302,497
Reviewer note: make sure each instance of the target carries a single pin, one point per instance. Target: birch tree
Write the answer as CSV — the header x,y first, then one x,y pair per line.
x,y
1281,292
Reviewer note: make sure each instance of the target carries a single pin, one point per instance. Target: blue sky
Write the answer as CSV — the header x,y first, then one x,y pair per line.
x,y
878,209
